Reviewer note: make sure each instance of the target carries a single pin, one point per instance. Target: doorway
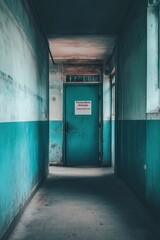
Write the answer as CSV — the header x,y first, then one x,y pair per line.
x,y
82,124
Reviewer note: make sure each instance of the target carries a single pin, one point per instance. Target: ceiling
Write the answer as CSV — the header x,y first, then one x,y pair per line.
x,y
81,47
82,29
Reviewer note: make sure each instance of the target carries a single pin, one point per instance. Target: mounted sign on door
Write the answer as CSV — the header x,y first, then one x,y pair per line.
x,y
81,120
83,108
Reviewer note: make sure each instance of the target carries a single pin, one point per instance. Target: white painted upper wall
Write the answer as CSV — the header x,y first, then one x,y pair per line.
x,y
153,92
23,81
106,98
55,93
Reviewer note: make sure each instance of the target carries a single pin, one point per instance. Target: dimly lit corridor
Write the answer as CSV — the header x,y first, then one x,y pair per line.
x,y
85,204
80,119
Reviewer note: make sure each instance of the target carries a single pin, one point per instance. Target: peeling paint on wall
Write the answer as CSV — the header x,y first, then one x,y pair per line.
x,y
28,95
56,108
55,143
56,92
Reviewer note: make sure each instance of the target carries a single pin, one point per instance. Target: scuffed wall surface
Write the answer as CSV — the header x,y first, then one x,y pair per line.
x,y
21,68
24,108
55,142
56,105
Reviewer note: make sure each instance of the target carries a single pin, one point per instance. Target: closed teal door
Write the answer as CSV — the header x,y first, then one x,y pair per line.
x,y
81,125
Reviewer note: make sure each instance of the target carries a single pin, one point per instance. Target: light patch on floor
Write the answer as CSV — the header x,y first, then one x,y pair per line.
x,y
80,172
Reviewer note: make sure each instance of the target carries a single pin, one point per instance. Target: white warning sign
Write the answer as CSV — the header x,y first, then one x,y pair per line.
x,y
83,108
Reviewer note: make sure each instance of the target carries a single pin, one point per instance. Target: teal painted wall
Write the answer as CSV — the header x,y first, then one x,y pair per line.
x,y
56,142
153,165
131,99
24,107
106,143
113,143
132,154
82,137
24,157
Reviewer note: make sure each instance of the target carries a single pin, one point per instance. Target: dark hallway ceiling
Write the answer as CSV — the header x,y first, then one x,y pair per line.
x,y
82,17
82,29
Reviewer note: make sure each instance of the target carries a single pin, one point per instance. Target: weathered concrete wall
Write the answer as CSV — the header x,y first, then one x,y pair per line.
x,y
24,108
106,120
56,114
131,99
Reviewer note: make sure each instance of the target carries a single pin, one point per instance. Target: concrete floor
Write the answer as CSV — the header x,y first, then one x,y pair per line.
x,y
85,204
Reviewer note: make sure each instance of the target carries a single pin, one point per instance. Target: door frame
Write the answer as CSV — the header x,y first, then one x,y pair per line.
x,y
100,119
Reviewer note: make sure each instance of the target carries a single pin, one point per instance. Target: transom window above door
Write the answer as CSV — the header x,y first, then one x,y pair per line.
x,y
82,78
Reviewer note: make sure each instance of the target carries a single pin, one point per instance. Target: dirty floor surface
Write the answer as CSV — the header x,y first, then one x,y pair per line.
x,y
85,204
